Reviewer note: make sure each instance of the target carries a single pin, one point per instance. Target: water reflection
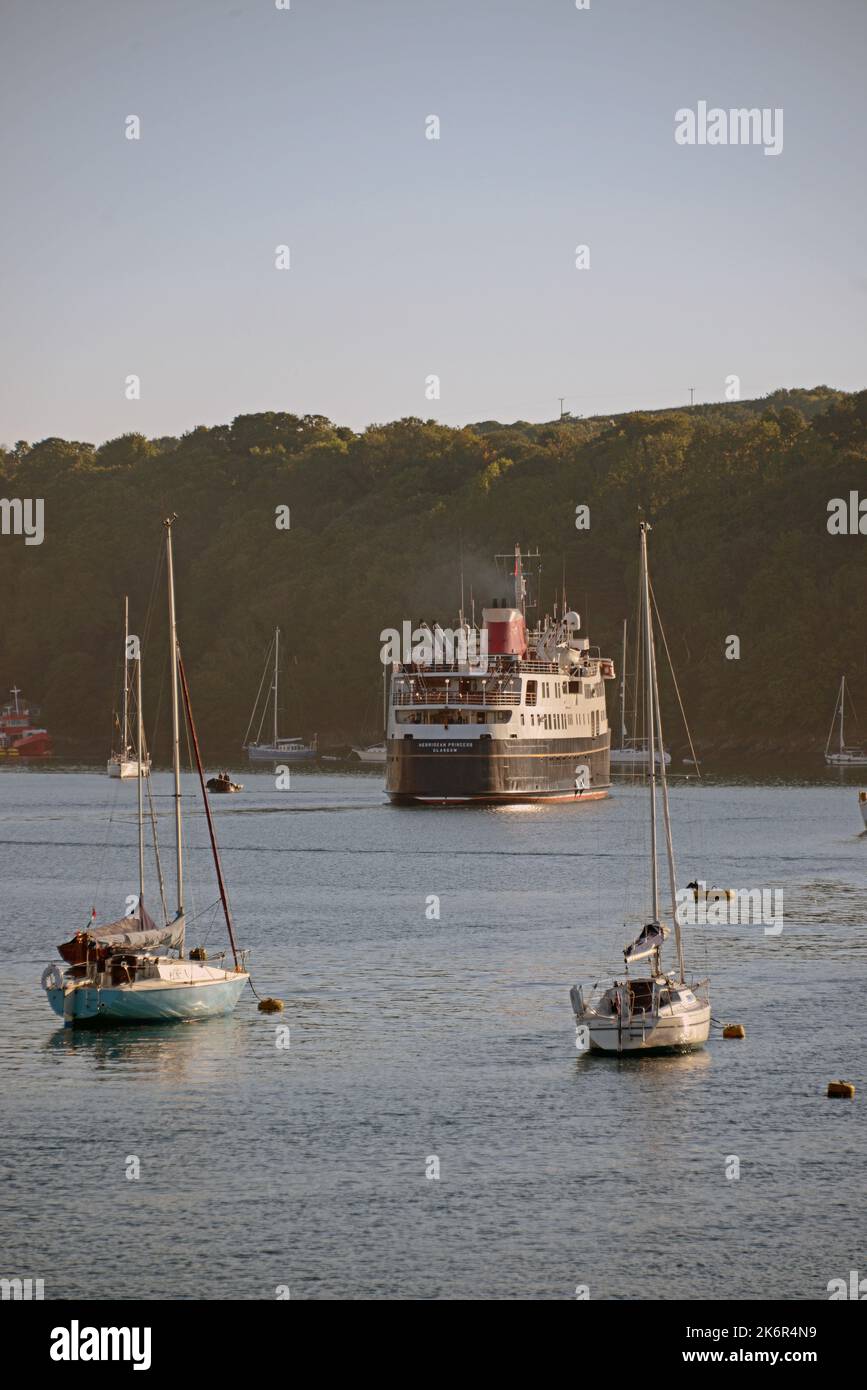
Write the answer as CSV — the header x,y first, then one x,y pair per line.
x,y
165,1051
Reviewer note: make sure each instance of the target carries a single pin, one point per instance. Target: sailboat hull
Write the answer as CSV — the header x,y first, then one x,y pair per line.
x,y
126,767
273,753
678,1033
157,1002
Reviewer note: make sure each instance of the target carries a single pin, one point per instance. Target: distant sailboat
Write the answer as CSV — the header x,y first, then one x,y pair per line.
x,y
843,755
115,972
862,802
657,1012
632,752
279,750
124,762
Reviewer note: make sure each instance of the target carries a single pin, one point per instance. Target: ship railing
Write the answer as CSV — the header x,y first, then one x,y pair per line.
x,y
493,666
456,698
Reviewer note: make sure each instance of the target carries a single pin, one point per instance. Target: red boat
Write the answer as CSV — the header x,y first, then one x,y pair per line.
x,y
19,736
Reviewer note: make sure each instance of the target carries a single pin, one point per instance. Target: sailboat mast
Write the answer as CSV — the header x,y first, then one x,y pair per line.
x,y
140,802
666,816
623,691
651,751
842,707
276,658
176,736
124,743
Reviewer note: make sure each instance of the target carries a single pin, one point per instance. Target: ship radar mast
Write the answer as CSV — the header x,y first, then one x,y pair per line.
x,y
523,595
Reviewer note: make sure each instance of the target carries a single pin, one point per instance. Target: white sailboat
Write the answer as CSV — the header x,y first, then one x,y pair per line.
x,y
660,1011
119,972
124,762
279,750
632,752
843,755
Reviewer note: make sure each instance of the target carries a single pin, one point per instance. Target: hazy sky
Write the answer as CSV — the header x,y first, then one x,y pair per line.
x,y
409,256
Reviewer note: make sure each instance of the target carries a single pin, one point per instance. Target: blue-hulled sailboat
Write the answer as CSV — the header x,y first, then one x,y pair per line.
x,y
121,972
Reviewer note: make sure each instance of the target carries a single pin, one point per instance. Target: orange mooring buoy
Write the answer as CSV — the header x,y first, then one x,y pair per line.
x,y
844,1089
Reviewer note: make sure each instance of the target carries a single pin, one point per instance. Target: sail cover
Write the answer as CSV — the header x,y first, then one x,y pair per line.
x,y
648,940
139,933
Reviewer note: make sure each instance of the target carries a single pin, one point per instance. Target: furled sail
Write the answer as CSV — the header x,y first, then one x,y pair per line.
x,y
648,940
139,933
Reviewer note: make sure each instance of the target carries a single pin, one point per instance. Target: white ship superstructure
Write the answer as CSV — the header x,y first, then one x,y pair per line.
x,y
526,721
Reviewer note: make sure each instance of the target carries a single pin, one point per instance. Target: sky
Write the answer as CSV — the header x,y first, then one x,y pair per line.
x,y
413,258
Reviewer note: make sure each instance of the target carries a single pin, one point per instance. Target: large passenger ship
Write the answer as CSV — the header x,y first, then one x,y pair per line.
x,y
515,715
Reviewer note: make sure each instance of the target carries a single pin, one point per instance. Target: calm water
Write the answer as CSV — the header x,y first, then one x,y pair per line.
x,y
412,1037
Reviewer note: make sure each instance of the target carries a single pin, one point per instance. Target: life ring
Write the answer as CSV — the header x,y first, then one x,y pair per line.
x,y
52,977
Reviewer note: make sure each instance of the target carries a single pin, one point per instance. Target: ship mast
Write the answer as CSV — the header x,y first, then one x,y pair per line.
x,y
176,738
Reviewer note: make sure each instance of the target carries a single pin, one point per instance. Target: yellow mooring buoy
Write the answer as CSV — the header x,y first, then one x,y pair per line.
x,y
734,1030
841,1088
270,1006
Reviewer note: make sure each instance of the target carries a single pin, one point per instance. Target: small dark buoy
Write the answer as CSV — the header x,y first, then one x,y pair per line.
x,y
270,1006
734,1030
845,1089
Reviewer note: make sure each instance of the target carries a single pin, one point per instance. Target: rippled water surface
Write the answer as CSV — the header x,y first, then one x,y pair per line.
x,y
413,1037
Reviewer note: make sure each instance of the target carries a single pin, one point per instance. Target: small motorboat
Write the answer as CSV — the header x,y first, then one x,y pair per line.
x,y
223,783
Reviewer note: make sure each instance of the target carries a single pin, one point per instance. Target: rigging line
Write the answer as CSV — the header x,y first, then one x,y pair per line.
x,y
216,853
156,849
676,686
190,880
833,722
105,842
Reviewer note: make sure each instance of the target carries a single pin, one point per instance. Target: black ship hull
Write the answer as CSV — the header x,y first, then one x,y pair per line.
x,y
497,770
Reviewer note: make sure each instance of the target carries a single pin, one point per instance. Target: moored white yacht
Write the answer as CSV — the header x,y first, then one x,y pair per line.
x,y
661,1011
375,753
632,752
123,761
279,750
844,755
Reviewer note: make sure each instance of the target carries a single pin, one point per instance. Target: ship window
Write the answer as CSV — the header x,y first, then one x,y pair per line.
x,y
531,692
574,687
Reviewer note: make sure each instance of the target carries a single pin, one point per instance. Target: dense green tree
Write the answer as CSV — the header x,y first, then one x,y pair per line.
x,y
738,495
